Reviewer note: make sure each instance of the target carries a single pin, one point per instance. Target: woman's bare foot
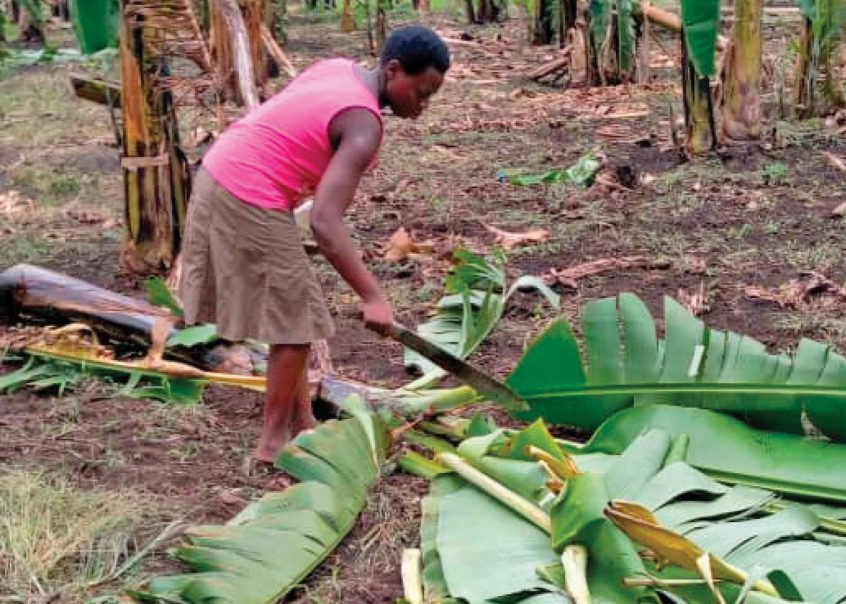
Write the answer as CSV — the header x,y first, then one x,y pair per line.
x,y
270,445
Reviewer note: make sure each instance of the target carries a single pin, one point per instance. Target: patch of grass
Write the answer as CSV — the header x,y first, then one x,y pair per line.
x,y
40,111
692,172
739,233
814,325
185,451
677,205
822,256
775,173
23,248
57,537
771,228
51,186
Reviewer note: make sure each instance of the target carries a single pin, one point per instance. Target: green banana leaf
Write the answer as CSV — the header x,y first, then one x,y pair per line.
x,y
725,521
599,26
158,294
626,37
738,524
729,451
435,588
462,525
478,295
626,365
700,27
509,567
275,542
582,173
578,518
43,372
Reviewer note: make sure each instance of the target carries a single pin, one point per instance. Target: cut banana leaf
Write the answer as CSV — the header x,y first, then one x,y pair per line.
x,y
274,543
435,588
626,365
681,514
808,570
728,450
478,294
476,532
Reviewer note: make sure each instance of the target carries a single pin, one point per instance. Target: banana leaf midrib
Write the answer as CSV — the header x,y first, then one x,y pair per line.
x,y
789,488
685,388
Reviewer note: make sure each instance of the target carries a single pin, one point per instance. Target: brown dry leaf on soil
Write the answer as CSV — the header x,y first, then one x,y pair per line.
x,y
90,216
835,160
694,302
798,292
13,203
401,246
569,276
509,240
840,210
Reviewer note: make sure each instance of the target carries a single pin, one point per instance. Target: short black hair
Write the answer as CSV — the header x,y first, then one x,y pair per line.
x,y
417,48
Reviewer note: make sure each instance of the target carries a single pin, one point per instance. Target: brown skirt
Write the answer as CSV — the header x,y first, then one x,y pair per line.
x,y
245,269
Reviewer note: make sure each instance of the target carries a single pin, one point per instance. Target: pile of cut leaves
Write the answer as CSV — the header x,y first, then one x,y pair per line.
x,y
669,500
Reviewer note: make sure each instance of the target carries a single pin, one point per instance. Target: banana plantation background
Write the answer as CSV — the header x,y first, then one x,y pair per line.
x,y
630,212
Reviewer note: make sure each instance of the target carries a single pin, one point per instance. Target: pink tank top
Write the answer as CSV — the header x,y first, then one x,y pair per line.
x,y
275,156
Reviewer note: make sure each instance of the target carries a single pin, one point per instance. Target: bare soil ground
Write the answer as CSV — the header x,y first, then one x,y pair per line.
x,y
718,227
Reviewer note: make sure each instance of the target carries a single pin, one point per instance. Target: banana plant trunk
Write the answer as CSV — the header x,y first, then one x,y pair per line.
x,y
470,11
155,171
544,23
31,22
237,50
347,20
741,119
698,109
488,11
381,24
805,73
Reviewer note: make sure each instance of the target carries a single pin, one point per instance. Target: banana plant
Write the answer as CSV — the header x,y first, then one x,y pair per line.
x,y
823,22
700,29
268,548
613,31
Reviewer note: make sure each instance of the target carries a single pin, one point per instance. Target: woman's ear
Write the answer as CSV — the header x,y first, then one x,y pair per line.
x,y
392,69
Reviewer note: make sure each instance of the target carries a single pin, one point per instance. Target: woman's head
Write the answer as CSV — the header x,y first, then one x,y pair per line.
x,y
413,63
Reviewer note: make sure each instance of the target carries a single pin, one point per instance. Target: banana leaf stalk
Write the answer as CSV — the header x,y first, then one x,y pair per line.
x,y
412,582
162,368
574,559
415,464
476,477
